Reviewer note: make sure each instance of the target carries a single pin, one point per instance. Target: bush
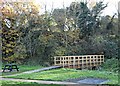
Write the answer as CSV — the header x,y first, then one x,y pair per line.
x,y
111,65
110,49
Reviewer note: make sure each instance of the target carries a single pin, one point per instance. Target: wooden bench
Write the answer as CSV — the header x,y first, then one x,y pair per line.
x,y
10,67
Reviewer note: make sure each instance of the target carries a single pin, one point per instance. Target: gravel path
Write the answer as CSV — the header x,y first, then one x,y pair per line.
x,y
92,81
40,81
48,82
33,71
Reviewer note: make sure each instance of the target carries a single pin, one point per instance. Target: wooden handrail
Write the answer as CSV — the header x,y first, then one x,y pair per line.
x,y
79,61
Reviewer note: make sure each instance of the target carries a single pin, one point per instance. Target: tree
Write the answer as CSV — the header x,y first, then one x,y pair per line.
x,y
15,16
86,19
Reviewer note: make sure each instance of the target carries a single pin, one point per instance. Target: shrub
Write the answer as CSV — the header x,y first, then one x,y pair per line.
x,y
111,65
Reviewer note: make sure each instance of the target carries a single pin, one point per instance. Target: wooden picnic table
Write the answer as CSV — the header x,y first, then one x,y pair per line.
x,y
10,67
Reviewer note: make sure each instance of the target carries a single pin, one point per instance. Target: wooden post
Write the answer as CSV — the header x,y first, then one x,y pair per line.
x,y
74,62
60,60
63,62
55,60
68,62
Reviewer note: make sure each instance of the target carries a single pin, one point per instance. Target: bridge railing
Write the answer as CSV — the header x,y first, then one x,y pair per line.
x,y
82,61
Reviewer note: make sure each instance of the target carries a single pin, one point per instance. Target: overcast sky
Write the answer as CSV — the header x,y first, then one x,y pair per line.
x,y
110,10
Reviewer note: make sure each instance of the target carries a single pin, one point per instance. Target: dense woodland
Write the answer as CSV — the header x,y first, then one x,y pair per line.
x,y
30,38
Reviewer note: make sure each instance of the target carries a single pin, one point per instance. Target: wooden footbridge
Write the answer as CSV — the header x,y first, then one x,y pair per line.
x,y
79,62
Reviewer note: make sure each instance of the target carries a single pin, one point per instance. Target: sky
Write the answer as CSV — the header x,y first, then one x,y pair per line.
x,y
110,10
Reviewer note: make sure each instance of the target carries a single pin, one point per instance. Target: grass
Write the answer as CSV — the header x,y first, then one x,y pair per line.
x,y
64,74
22,68
14,83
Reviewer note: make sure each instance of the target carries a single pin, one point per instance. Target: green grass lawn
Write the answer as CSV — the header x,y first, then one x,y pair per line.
x,y
64,74
22,68
14,83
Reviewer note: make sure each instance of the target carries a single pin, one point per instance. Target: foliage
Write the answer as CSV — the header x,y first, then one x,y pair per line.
x,y
9,38
95,37
111,65
87,19
60,20
60,51
14,17
111,49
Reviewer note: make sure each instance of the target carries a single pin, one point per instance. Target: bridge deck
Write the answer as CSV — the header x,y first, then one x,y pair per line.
x,y
44,69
